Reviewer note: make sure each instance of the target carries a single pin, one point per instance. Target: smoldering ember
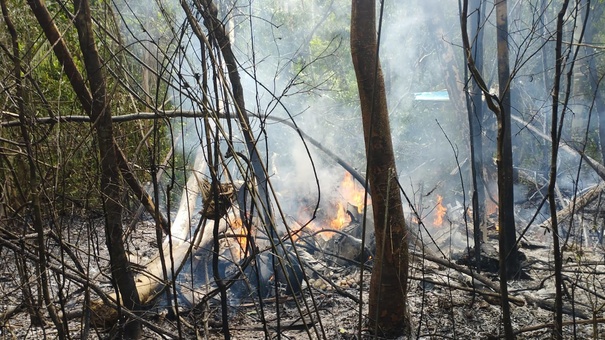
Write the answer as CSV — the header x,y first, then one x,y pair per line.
x,y
302,169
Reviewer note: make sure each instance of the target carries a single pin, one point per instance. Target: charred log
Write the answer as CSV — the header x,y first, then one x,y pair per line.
x,y
211,207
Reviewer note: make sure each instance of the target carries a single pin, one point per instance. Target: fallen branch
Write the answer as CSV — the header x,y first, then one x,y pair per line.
x,y
486,281
151,281
575,205
587,197
550,306
597,167
563,145
175,250
550,326
485,293
12,311
493,285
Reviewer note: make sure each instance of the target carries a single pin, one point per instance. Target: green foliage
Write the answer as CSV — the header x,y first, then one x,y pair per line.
x,y
66,153
302,55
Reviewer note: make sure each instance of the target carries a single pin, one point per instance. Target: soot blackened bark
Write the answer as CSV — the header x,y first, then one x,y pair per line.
x,y
555,135
504,156
475,118
500,105
509,258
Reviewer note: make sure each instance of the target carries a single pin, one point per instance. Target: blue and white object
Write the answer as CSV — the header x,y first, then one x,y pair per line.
x,y
437,96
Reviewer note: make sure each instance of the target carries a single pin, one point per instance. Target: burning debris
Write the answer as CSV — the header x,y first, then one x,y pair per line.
x,y
337,233
211,207
255,265
440,212
353,193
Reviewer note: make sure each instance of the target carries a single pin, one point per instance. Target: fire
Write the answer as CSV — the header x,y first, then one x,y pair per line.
x,y
238,249
491,212
336,216
341,218
491,208
440,211
353,193
315,227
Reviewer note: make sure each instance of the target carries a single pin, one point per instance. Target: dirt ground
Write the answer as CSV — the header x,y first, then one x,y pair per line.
x,y
440,299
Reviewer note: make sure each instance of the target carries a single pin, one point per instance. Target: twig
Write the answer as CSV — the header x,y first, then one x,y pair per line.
x,y
550,326
12,311
335,286
519,302
188,114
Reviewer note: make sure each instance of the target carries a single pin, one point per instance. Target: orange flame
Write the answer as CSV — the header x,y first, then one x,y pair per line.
x,y
315,226
238,249
341,218
353,193
491,208
336,217
440,211
491,212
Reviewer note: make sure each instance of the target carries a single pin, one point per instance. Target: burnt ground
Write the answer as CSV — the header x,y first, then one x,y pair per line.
x,y
441,299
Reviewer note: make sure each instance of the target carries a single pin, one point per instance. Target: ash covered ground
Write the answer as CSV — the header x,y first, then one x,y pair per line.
x,y
441,300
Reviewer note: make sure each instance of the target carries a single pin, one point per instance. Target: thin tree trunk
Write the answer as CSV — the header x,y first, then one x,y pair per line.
x,y
475,118
83,94
388,286
34,188
555,135
509,259
594,79
504,158
111,182
501,107
578,203
216,30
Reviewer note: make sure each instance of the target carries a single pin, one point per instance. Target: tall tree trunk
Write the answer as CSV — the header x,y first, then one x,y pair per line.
x,y
509,258
388,286
111,182
475,118
555,135
34,188
504,155
594,78
500,105
54,37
